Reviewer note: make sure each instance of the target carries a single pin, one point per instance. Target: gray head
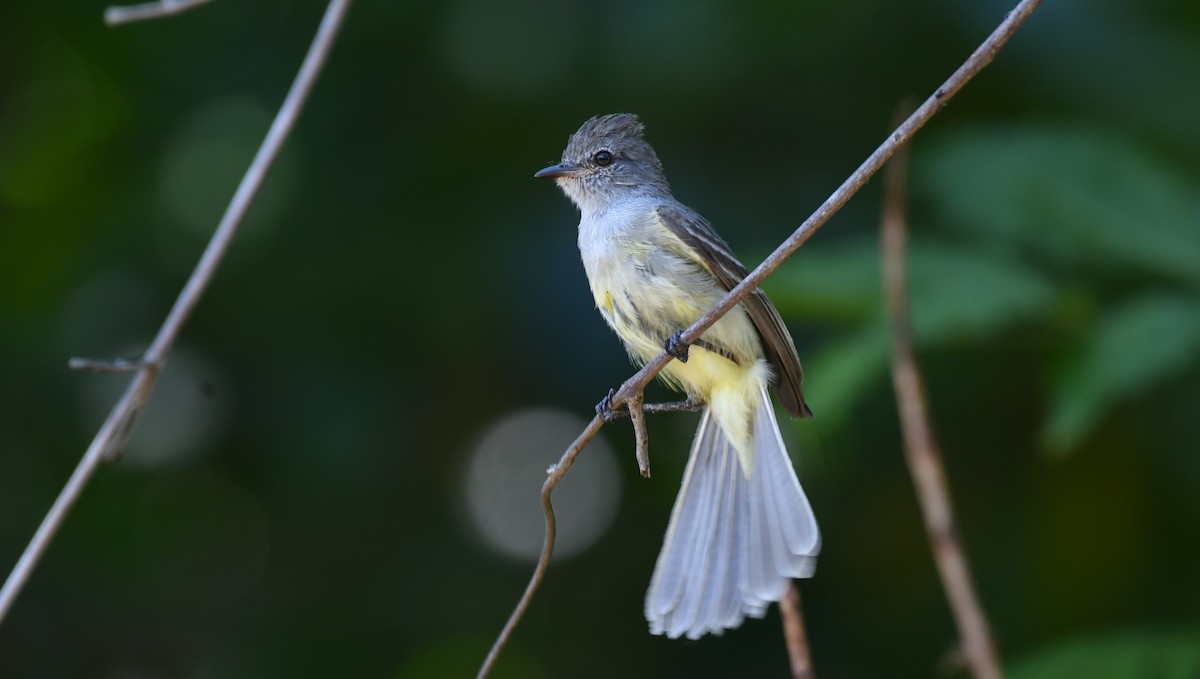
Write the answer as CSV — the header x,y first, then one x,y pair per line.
x,y
606,159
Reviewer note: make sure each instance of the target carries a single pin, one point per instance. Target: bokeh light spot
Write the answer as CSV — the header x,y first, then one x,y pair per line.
x,y
504,479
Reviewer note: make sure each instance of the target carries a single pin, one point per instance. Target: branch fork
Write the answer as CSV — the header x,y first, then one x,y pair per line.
x,y
113,434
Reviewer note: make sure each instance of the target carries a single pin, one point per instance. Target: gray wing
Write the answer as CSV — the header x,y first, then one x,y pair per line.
x,y
715,256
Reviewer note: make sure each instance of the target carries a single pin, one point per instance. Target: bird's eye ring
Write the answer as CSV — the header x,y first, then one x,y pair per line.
x,y
603,158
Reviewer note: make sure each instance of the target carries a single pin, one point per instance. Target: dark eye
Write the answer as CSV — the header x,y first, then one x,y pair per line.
x,y
603,158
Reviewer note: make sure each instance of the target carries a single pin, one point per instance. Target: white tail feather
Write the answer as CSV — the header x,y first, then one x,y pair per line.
x,y
733,543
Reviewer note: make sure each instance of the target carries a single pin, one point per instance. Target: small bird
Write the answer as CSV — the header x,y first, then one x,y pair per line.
x,y
742,526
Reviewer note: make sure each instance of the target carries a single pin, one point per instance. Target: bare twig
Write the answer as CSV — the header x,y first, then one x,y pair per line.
x,y
920,444
115,430
688,406
793,634
106,365
637,415
980,58
125,14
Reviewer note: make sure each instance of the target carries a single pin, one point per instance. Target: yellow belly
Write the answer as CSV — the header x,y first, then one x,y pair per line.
x,y
732,390
704,371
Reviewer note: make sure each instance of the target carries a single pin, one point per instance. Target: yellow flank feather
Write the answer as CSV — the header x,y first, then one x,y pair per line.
x,y
733,393
604,302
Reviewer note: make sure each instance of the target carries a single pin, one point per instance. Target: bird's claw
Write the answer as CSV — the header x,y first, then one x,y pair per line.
x,y
607,412
676,347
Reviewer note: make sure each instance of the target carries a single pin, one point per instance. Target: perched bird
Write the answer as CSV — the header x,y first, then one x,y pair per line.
x,y
742,526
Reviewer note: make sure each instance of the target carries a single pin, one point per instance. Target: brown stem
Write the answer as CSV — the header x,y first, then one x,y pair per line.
x,y
637,415
793,634
920,444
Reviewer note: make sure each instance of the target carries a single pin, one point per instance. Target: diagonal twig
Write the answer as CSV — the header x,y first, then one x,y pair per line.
x,y
115,430
920,443
980,58
126,14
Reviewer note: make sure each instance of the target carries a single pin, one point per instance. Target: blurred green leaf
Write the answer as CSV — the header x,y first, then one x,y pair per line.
x,y
1077,197
957,293
832,283
65,110
1139,654
845,370
1133,346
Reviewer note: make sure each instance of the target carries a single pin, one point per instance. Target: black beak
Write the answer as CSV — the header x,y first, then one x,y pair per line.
x,y
554,171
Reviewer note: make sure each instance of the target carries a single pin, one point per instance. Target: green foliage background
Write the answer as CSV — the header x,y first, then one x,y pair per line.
x,y
403,282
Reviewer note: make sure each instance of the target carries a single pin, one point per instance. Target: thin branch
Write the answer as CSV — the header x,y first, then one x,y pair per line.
x,y
979,59
920,443
115,430
793,634
641,447
107,365
553,475
126,14
688,406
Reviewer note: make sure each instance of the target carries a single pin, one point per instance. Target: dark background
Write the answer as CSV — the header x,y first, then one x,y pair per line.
x,y
320,488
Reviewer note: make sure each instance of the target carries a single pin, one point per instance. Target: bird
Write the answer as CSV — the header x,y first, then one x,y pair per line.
x,y
742,527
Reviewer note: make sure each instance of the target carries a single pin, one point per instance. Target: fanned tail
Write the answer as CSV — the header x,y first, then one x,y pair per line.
x,y
734,541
